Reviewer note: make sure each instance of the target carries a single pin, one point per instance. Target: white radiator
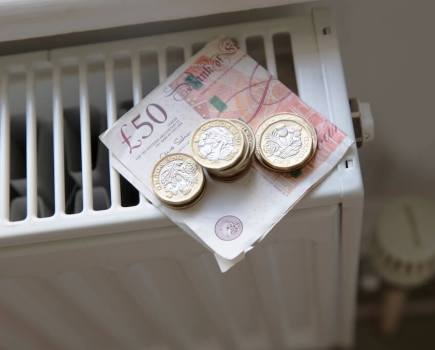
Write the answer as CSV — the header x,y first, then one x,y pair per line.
x,y
86,264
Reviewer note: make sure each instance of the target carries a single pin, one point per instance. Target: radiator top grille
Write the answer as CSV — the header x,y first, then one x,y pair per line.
x,y
54,105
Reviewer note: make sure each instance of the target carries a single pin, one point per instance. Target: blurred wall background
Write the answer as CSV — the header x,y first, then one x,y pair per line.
x,y
388,51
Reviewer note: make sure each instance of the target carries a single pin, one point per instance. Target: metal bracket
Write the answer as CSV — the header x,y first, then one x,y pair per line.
x,y
362,119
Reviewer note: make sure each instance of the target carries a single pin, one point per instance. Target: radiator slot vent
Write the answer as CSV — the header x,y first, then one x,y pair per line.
x,y
58,104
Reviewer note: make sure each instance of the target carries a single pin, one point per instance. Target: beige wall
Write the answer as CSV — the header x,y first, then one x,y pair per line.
x,y
388,50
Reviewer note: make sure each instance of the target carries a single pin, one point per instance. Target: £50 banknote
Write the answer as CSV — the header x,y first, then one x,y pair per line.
x,y
220,81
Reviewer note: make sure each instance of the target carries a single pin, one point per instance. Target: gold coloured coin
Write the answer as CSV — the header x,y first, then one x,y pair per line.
x,y
277,117
239,168
266,166
193,202
177,179
250,137
285,142
236,167
218,144
286,145
231,178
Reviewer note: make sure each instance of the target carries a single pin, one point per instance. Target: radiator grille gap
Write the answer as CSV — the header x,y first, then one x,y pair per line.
x,y
174,58
72,138
124,98
255,48
18,151
282,48
98,123
43,89
197,46
149,71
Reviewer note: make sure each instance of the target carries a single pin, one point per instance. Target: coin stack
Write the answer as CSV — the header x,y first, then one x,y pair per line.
x,y
285,142
224,147
178,180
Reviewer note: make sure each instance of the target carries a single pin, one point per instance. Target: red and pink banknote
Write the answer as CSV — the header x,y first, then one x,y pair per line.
x,y
221,81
